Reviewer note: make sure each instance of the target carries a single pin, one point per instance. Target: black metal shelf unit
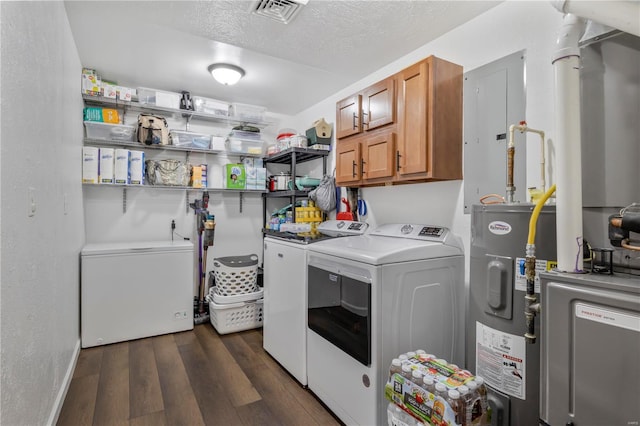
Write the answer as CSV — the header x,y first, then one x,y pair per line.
x,y
292,157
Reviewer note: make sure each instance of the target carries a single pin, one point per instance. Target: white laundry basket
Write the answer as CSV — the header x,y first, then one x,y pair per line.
x,y
232,317
236,274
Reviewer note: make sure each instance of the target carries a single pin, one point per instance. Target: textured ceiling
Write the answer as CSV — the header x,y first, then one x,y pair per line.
x,y
289,67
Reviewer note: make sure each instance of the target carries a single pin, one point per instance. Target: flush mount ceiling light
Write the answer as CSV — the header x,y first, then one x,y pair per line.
x,y
226,74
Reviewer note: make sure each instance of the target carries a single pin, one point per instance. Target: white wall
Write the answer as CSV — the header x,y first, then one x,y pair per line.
x,y
40,148
505,29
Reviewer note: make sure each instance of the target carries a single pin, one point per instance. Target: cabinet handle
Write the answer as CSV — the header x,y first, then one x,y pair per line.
x,y
398,161
354,121
364,123
353,168
362,163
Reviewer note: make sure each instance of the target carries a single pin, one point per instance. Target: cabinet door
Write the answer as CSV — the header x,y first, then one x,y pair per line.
x,y
348,120
348,162
413,124
379,104
378,156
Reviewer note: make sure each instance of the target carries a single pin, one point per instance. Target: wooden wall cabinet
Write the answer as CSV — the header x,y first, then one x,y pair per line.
x,y
430,121
423,142
370,109
366,160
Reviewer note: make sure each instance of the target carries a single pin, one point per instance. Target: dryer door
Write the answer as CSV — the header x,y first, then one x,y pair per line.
x,y
339,310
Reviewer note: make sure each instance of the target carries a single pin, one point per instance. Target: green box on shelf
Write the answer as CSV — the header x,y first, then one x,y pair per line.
x,y
235,176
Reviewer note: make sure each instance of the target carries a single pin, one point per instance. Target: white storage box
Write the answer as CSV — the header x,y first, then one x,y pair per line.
x,y
236,316
210,106
107,131
107,162
90,161
121,168
248,112
189,139
159,98
245,146
218,143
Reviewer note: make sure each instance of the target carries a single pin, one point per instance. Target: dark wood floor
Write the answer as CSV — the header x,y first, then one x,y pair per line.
x,y
192,378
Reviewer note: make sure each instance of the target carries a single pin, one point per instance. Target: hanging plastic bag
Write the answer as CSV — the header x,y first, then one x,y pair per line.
x,y
325,194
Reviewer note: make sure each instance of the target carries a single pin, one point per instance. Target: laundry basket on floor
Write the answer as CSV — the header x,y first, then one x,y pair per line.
x,y
235,274
235,301
232,317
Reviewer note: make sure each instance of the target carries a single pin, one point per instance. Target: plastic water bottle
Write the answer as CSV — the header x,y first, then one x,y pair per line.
x,y
398,417
396,367
474,404
416,377
406,372
439,407
464,394
428,384
456,404
482,391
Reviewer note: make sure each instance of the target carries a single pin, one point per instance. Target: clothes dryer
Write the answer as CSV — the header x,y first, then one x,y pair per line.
x,y
373,297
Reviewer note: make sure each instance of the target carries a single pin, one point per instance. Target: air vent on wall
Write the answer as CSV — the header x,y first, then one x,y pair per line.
x,y
280,10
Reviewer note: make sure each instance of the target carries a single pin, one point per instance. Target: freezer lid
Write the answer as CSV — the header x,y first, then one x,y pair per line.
x,y
99,249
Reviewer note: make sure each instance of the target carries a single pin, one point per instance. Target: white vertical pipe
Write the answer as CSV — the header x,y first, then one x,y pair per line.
x,y
566,64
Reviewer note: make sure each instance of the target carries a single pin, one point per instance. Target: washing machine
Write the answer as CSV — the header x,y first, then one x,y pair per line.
x,y
284,328
372,297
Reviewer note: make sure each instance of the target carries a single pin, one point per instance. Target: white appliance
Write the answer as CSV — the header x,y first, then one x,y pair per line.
x,y
284,327
135,290
373,297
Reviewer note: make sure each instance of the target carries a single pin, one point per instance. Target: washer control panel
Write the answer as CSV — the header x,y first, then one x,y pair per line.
x,y
413,231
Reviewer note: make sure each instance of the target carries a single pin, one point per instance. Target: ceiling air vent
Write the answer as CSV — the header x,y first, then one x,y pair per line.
x,y
280,10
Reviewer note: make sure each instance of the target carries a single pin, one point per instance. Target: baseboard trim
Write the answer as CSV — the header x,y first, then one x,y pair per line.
x,y
62,394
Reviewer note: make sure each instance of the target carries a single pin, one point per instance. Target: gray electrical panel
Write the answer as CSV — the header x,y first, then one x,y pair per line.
x,y
494,98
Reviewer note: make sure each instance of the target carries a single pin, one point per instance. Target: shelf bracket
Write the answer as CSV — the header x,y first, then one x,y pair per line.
x,y
124,200
186,193
241,198
188,121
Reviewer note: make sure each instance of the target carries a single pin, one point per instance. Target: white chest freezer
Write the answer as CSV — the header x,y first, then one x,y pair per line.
x,y
135,290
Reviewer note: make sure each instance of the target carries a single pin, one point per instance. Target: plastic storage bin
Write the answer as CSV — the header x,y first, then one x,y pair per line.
x,y
245,146
106,131
240,134
248,112
159,98
189,139
210,106
236,316
236,274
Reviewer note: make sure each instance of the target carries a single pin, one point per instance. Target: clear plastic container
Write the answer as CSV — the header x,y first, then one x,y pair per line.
x,y
210,106
106,131
159,98
189,139
245,146
248,112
